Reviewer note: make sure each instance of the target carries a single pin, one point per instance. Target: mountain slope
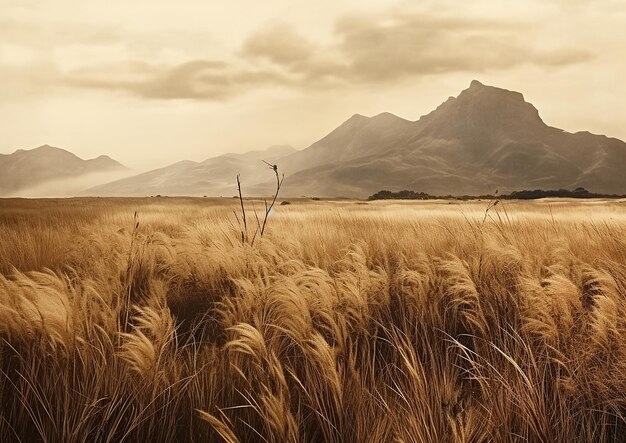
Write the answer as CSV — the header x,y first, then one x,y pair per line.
x,y
27,169
214,176
357,137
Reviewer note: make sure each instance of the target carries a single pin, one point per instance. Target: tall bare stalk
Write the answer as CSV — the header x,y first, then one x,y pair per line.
x,y
260,229
244,230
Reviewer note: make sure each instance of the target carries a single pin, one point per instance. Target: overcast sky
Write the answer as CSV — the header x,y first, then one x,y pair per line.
x,y
150,82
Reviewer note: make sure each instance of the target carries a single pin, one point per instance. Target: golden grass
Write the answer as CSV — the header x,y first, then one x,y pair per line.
x,y
378,322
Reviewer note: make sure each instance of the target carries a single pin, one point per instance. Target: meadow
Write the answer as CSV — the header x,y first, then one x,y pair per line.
x,y
128,320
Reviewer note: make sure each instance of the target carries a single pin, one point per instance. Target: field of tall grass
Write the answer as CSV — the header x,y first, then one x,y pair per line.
x,y
149,320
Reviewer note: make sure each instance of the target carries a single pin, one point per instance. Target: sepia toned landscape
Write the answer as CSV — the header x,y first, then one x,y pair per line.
x,y
355,221
348,321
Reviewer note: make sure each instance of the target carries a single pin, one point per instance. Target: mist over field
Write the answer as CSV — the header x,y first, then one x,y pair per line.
x,y
68,186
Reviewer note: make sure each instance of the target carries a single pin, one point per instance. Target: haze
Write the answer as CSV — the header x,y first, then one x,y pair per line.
x,y
150,83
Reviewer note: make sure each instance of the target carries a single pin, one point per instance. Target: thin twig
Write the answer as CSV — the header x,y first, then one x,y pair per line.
x,y
244,237
258,225
279,183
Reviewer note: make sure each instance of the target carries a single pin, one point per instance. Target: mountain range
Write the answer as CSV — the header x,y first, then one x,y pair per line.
x,y
215,176
484,139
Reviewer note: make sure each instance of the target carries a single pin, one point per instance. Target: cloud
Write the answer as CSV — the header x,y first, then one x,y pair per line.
x,y
304,63
363,50
196,79
370,49
192,80
278,43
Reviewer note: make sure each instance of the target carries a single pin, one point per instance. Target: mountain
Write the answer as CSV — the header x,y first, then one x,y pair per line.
x,y
358,137
484,139
214,176
29,169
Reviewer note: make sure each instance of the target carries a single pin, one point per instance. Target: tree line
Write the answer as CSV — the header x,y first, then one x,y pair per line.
x,y
515,195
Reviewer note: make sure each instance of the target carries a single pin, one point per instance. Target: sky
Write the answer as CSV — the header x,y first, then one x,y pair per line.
x,y
152,82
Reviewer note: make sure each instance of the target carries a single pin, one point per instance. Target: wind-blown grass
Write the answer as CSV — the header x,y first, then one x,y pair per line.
x,y
411,322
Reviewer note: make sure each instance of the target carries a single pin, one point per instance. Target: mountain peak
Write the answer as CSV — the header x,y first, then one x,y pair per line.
x,y
106,162
478,91
43,149
386,116
356,121
357,118
488,107
47,147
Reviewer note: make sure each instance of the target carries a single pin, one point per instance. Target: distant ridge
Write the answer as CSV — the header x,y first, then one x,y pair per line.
x,y
485,138
28,168
215,176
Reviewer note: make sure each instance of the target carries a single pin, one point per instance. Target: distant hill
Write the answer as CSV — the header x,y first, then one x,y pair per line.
x,y
27,169
484,139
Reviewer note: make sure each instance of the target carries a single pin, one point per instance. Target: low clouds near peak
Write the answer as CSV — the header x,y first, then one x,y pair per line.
x,y
386,48
379,48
